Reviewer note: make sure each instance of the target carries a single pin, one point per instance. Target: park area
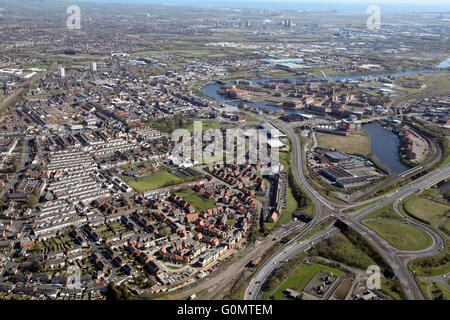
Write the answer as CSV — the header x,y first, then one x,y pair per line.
x,y
426,210
400,235
199,203
155,181
354,143
300,278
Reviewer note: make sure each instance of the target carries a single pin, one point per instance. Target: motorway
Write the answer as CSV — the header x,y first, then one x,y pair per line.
x,y
397,260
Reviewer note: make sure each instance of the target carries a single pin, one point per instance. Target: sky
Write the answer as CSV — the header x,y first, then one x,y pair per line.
x,y
387,5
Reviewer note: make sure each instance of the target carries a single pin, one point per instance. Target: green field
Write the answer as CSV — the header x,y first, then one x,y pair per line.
x,y
155,181
427,210
206,125
300,278
353,143
401,236
432,266
199,203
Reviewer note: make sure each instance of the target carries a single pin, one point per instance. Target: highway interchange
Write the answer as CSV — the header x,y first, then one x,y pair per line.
x,y
397,259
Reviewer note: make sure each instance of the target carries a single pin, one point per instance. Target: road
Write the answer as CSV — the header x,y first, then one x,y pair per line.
x,y
397,260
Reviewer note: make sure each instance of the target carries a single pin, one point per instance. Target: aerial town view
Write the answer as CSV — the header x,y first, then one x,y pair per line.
x,y
224,150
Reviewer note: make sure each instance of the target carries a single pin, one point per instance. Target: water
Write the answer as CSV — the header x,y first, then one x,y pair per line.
x,y
384,145
444,64
211,91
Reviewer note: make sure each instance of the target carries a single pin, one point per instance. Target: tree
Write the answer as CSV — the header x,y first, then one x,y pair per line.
x,y
32,200
125,295
37,267
164,231
112,293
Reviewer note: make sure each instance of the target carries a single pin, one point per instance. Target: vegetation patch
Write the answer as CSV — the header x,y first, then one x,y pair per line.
x,y
199,203
340,248
426,210
387,212
400,235
431,266
300,278
155,181
350,248
393,288
354,143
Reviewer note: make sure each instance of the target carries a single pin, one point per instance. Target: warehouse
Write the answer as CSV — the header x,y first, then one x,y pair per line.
x,y
336,156
336,173
351,182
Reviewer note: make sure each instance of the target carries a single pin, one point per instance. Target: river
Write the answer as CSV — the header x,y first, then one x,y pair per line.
x,y
211,89
384,143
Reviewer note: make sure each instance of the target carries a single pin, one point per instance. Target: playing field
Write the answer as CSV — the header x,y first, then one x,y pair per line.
x,y
300,278
353,143
205,125
199,203
155,181
400,235
427,210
